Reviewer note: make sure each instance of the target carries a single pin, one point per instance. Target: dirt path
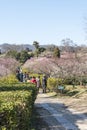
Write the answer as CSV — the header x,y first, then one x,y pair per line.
x,y
59,115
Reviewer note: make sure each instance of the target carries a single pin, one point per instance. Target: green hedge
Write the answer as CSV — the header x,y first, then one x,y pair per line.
x,y
16,106
8,79
52,83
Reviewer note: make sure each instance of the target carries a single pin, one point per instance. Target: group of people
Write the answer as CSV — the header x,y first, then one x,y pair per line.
x,y
24,77
39,84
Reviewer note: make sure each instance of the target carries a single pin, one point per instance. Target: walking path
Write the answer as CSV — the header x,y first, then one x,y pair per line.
x,y
58,116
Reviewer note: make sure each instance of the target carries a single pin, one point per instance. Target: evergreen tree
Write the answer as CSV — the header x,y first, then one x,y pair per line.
x,y
56,52
36,44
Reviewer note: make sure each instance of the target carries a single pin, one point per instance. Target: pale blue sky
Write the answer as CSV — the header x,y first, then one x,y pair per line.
x,y
45,21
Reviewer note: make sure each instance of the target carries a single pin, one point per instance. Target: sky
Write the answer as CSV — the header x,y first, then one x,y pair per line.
x,y
45,21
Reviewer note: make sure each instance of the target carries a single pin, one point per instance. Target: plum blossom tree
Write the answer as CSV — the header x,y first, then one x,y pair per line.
x,y
68,67
40,65
7,66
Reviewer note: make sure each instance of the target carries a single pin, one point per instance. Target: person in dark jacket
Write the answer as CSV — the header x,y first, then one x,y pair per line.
x,y
44,84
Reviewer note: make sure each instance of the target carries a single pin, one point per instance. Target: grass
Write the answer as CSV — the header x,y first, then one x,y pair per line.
x,y
77,90
69,91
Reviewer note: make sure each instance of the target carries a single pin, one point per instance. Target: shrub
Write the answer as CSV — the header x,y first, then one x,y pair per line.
x,y
9,79
16,106
52,83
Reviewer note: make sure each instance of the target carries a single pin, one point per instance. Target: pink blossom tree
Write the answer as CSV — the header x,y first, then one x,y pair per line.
x,y
7,66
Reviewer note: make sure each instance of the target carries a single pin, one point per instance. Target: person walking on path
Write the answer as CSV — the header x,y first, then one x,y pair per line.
x,y
38,84
44,83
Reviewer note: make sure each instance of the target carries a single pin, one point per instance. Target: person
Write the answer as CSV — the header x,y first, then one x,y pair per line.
x,y
24,77
38,84
21,76
33,80
44,83
27,76
18,75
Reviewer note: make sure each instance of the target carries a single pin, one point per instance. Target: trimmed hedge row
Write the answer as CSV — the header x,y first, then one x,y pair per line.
x,y
16,106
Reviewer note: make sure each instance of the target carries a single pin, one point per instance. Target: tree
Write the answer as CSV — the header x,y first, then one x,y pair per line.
x,y
11,53
68,45
38,48
40,65
24,56
36,44
41,49
8,66
56,52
